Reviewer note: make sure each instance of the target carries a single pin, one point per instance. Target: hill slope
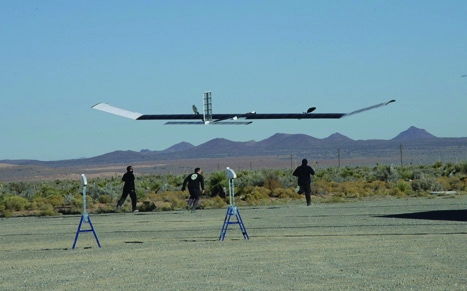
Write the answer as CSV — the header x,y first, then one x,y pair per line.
x,y
413,146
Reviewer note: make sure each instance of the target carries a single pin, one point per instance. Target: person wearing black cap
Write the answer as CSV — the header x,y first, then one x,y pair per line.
x,y
194,181
128,188
304,173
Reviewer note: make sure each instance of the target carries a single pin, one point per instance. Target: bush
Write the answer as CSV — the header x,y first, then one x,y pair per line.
x,y
253,193
165,206
147,206
41,203
16,203
215,202
105,199
176,199
272,182
282,193
427,184
56,200
258,187
4,212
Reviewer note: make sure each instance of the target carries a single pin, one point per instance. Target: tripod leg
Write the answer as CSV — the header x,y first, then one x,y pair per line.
x,y
78,231
226,224
242,226
94,232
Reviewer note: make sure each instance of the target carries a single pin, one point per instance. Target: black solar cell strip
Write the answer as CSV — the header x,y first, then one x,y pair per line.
x,y
243,115
294,116
170,117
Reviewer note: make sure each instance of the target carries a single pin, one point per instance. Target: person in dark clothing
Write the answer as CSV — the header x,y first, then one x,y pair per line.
x,y
128,188
304,173
195,183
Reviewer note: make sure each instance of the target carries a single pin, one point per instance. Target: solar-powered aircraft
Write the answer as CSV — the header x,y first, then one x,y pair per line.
x,y
208,118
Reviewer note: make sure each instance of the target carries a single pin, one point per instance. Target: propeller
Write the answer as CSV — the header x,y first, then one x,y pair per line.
x,y
311,109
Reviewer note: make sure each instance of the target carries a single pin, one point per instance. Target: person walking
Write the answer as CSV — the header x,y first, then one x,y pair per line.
x,y
304,173
128,189
195,183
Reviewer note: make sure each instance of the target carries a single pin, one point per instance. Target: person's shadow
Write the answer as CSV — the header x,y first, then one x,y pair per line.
x,y
451,215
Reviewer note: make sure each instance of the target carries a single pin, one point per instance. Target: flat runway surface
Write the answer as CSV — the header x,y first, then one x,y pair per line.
x,y
376,244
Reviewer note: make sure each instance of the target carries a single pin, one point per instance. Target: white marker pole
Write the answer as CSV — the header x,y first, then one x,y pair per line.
x,y
85,217
85,213
231,175
232,209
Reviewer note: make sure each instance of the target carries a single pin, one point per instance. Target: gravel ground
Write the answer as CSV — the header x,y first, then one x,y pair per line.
x,y
383,244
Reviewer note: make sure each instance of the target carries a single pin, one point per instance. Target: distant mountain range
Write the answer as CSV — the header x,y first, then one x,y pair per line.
x,y
417,145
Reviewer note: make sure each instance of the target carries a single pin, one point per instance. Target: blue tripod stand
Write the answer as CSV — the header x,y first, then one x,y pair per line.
x,y
85,217
232,210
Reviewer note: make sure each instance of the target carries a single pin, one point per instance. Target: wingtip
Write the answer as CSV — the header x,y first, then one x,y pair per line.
x,y
97,104
393,100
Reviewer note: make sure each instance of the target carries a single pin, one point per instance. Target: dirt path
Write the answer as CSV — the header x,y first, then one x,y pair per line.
x,y
388,244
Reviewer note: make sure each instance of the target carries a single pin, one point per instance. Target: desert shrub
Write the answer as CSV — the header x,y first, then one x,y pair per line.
x,y
48,211
437,165
47,190
252,193
348,172
151,184
403,186
176,199
56,200
165,206
329,175
351,190
218,184
384,173
105,199
425,171
100,182
376,187
405,173
457,184
111,189
41,203
95,191
462,168
44,205
147,206
323,187
448,169
4,212
16,203
215,202
16,188
68,199
272,182
444,182
77,204
253,187
426,184
396,192
249,178
282,193
151,197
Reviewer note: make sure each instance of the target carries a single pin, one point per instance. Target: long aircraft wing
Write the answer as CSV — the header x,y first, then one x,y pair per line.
x,y
227,119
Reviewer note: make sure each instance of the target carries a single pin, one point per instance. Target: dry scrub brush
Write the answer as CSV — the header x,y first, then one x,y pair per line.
x,y
254,187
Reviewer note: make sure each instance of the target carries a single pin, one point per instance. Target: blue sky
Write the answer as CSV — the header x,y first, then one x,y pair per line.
x,y
59,58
